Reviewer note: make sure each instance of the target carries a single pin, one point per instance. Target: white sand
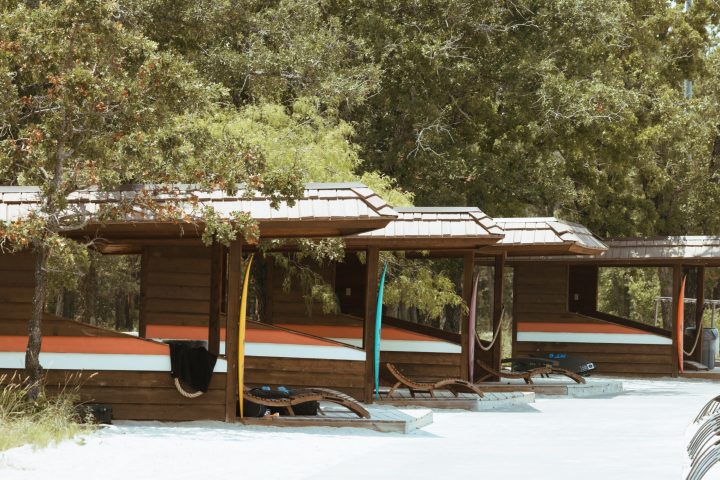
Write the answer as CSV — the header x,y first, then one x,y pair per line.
x,y
640,434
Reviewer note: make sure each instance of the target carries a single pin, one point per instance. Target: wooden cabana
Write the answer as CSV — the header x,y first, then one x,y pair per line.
x,y
531,236
419,350
187,291
556,305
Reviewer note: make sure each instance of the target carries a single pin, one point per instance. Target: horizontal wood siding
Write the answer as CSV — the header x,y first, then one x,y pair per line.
x,y
541,295
17,285
343,375
138,395
610,358
177,286
420,365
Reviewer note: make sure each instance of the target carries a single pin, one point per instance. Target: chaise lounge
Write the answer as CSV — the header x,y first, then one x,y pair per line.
x,y
453,385
308,395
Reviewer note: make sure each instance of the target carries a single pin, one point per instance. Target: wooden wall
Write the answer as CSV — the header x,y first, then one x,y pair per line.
x,y
343,375
422,365
541,295
175,286
419,365
139,395
17,285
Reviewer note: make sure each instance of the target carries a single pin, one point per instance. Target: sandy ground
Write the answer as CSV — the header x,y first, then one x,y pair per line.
x,y
640,434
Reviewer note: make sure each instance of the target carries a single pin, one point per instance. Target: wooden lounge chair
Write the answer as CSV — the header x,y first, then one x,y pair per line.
x,y
525,376
453,385
547,362
309,395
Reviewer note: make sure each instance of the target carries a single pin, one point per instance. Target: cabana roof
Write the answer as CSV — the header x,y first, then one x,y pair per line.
x,y
443,228
545,236
326,209
698,249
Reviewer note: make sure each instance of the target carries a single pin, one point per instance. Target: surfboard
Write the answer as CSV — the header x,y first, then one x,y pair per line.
x,y
378,327
241,333
680,325
471,329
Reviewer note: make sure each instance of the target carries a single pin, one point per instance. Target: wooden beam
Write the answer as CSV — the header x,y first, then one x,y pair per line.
x,y
516,271
142,319
677,282
371,292
235,273
498,309
699,310
467,284
216,270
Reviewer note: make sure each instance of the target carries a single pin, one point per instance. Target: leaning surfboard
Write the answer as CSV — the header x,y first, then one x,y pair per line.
x,y
378,327
241,334
471,329
680,325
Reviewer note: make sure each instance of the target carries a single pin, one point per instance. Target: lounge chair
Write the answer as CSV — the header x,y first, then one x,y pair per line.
x,y
525,376
308,395
453,385
536,363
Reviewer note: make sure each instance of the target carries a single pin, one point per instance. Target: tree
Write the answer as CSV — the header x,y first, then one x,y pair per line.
x,y
90,101
546,107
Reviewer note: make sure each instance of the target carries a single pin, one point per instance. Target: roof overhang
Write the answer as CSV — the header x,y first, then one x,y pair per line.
x,y
432,228
648,251
544,236
324,210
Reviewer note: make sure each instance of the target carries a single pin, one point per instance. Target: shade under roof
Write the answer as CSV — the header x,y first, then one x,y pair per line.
x,y
436,228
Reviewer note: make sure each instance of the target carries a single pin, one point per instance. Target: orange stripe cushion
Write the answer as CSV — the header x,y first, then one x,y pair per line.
x,y
86,345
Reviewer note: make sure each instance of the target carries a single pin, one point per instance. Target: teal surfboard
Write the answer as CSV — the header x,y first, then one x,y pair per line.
x,y
378,326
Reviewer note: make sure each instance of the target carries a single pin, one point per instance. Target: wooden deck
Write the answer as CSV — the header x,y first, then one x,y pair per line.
x,y
464,401
384,418
713,374
555,388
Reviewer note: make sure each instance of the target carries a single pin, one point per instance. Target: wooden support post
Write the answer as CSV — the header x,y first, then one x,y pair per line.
x,y
498,309
235,275
699,310
677,282
371,293
467,284
216,271
142,318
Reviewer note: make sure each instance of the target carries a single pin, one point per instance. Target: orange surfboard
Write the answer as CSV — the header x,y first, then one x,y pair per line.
x,y
680,325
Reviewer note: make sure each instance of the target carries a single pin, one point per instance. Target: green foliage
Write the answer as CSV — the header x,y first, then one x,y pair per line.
x,y
39,422
303,269
546,107
423,285
629,292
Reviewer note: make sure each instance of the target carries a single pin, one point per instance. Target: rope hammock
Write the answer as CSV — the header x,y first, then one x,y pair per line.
x,y
185,393
495,336
698,334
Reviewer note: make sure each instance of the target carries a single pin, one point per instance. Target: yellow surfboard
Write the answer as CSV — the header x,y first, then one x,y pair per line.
x,y
241,334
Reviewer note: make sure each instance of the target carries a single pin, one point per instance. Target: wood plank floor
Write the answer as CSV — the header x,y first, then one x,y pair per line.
x,y
464,401
383,418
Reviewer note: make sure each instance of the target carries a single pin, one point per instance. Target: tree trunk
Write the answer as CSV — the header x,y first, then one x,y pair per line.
x,y
33,369
89,294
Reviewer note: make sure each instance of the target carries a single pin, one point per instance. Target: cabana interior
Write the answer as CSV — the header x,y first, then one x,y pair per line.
x,y
558,309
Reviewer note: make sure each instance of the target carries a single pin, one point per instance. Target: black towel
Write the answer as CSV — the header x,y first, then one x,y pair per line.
x,y
192,365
